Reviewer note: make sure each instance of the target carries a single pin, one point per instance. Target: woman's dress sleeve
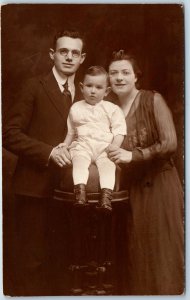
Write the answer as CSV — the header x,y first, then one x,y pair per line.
x,y
167,141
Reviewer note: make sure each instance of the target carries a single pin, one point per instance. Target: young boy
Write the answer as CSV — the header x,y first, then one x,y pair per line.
x,y
94,125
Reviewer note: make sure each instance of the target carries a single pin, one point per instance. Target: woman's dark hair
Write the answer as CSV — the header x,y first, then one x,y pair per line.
x,y
122,55
74,34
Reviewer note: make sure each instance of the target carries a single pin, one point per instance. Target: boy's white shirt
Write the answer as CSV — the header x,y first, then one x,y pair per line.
x,y
102,121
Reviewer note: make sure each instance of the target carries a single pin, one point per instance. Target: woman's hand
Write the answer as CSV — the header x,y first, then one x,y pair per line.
x,y
119,155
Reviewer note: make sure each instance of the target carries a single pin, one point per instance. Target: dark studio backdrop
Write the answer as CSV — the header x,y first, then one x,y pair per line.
x,y
153,32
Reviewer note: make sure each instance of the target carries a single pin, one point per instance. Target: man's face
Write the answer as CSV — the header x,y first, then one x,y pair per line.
x,y
68,55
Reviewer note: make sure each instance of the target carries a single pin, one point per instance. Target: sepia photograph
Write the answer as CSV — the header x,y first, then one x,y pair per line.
x,y
92,100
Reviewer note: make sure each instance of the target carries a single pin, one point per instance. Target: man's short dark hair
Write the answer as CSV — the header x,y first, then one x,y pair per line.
x,y
74,34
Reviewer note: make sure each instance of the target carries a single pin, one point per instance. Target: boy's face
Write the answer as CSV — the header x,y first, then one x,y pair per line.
x,y
94,88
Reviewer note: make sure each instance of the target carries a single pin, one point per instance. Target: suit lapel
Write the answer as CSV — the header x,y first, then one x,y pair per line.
x,y
52,89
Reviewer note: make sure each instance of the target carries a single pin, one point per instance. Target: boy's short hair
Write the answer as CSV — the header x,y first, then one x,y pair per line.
x,y
97,70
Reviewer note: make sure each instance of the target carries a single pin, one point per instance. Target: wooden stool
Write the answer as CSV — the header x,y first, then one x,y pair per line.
x,y
91,235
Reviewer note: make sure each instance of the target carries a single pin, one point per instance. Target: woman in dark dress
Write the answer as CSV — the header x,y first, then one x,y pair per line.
x,y
155,244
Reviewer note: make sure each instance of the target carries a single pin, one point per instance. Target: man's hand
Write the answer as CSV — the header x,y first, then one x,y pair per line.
x,y
60,156
61,145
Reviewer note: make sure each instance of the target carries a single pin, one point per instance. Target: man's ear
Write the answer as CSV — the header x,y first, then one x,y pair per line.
x,y
108,90
51,53
81,86
83,56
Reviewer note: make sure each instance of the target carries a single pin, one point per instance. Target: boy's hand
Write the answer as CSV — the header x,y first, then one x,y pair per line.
x,y
112,147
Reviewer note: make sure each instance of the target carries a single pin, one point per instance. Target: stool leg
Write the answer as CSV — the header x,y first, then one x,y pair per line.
x,y
76,282
108,282
100,290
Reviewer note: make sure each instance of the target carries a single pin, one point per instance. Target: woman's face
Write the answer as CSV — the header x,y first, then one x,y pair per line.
x,y
122,77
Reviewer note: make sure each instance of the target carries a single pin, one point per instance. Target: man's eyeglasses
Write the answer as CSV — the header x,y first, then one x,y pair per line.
x,y
65,52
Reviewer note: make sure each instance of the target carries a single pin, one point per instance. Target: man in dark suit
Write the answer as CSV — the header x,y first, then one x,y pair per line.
x,y
37,124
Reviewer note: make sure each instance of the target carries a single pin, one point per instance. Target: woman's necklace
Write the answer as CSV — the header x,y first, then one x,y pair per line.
x,y
126,105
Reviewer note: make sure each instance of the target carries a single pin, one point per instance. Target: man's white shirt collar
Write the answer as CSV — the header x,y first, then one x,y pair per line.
x,y
61,81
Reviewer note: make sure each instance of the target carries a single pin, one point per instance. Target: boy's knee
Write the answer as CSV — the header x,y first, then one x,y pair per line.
x,y
80,160
106,163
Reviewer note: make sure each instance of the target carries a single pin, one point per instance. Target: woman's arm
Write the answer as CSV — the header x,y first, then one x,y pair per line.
x,y
167,143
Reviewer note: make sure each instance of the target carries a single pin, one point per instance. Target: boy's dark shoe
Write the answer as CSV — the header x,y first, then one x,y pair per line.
x,y
80,195
105,200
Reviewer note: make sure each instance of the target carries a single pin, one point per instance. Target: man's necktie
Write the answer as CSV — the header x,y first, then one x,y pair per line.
x,y
67,94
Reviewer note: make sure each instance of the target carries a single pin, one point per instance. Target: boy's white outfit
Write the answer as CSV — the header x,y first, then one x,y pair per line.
x,y
94,127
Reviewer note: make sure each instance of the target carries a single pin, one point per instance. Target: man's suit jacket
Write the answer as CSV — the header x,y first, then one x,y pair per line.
x,y
38,122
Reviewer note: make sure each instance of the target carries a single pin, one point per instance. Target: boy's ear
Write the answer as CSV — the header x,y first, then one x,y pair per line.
x,y
108,90
83,56
51,53
81,86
